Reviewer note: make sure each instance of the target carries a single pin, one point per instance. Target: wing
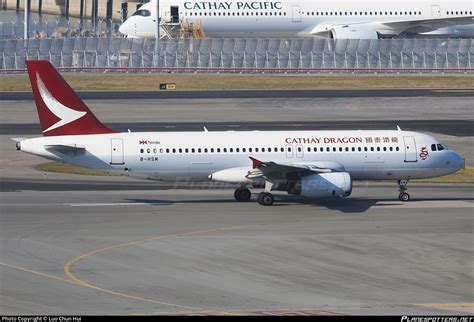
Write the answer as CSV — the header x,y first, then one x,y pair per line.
x,y
390,27
277,171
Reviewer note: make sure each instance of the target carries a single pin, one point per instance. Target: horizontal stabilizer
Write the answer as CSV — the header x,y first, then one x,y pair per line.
x,y
68,149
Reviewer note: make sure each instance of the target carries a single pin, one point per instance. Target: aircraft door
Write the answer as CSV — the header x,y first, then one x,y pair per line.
x,y
410,149
435,11
174,14
296,13
299,151
116,151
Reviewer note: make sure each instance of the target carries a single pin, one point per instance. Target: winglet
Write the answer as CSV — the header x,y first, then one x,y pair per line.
x,y
255,163
398,128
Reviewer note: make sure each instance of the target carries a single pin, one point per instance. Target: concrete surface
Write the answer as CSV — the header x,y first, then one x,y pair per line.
x,y
183,252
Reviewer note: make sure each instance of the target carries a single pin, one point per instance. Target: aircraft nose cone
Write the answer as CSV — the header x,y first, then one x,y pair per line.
x,y
123,29
457,161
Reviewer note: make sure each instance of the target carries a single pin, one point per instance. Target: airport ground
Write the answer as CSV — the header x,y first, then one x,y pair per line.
x,y
112,245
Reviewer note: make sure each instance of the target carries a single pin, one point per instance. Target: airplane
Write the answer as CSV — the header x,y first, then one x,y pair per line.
x,y
337,19
312,164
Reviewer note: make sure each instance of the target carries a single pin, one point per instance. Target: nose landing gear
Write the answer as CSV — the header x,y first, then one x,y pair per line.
x,y
403,196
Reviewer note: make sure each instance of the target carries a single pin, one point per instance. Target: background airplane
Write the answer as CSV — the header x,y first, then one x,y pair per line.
x,y
313,164
339,19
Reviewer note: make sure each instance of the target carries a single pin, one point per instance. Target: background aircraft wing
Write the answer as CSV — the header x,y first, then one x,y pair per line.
x,y
393,27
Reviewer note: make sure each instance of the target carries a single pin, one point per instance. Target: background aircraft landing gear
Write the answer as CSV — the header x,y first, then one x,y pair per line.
x,y
242,194
403,196
265,199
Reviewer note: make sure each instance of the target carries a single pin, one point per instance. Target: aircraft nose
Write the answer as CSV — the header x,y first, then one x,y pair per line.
x,y
457,161
124,29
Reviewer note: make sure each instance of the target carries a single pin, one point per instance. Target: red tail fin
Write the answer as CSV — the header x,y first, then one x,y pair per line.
x,y
60,110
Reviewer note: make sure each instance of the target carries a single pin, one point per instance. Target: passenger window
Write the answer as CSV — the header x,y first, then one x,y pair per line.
x,y
193,150
212,150
243,149
148,150
141,151
186,150
218,150
155,151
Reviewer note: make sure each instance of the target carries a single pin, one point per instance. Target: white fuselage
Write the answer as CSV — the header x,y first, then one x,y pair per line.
x,y
170,156
304,17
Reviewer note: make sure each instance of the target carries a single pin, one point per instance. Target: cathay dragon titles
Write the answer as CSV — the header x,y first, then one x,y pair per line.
x,y
312,164
339,19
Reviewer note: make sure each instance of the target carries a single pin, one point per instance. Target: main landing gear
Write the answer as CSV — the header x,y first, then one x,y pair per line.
x,y
403,196
242,194
265,199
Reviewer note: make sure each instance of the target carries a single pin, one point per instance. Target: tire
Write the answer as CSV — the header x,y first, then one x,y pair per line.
x,y
242,194
245,195
265,199
404,197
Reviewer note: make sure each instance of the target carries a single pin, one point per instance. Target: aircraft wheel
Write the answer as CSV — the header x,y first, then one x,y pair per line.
x,y
404,197
242,194
265,199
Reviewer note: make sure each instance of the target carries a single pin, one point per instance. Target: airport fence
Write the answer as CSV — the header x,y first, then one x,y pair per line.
x,y
243,55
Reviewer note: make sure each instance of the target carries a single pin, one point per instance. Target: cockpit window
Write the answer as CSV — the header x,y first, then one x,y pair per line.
x,y
143,13
433,147
442,147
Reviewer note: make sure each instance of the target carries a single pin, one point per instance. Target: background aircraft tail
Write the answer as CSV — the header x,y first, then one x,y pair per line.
x,y
60,110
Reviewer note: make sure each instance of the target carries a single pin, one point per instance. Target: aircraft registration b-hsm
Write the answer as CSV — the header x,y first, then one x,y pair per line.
x,y
313,164
338,19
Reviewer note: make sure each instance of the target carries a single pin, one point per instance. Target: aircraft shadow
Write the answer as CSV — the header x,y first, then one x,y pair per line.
x,y
349,205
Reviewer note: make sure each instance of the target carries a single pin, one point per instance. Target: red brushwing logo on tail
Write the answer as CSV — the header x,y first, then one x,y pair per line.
x,y
60,110
65,114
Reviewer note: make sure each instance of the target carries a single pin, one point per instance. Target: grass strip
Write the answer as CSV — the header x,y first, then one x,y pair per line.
x,y
151,82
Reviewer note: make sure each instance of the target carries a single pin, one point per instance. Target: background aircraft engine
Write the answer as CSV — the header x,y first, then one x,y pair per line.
x,y
353,33
323,185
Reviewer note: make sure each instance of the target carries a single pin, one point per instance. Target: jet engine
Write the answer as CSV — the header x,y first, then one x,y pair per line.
x,y
348,32
323,185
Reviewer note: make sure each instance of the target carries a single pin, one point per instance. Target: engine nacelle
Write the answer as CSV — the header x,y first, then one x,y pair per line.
x,y
323,185
241,175
348,32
